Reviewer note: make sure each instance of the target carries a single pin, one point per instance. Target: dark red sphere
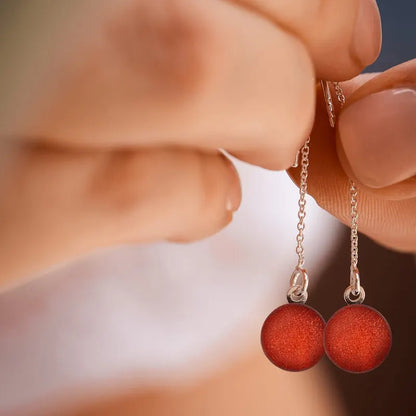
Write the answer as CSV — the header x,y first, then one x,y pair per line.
x,y
357,338
292,337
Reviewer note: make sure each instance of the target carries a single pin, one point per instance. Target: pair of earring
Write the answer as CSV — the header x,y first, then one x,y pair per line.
x,y
294,337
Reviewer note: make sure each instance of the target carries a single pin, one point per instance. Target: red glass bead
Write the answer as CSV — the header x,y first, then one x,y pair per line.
x,y
292,337
357,338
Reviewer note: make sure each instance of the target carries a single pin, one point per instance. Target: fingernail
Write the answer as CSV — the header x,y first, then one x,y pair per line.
x,y
233,198
367,33
378,135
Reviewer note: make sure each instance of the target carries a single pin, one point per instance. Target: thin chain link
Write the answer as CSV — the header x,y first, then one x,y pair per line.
x,y
355,288
303,188
353,198
354,226
340,93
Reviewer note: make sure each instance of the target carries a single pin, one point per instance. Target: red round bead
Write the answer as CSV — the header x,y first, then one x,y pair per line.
x,y
357,338
292,337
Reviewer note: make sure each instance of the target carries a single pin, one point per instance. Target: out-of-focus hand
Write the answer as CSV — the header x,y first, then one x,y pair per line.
x,y
375,144
119,131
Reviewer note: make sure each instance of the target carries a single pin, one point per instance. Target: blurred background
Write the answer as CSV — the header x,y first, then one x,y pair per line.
x,y
398,34
173,330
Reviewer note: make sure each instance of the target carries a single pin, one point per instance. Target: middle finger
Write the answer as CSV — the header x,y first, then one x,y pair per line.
x,y
206,74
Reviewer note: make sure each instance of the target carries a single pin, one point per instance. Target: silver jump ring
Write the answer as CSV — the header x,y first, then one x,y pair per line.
x,y
296,295
357,297
304,279
299,282
355,281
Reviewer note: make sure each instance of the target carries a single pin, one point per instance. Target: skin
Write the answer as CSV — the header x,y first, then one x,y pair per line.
x,y
387,206
113,138
110,130
250,386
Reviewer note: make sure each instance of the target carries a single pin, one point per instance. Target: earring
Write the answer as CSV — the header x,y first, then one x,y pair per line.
x,y
357,338
292,335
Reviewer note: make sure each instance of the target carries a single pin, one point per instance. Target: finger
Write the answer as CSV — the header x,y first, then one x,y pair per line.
x,y
342,36
57,205
206,74
377,132
390,222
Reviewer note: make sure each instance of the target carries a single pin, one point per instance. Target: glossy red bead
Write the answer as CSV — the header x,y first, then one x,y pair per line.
x,y
292,337
357,338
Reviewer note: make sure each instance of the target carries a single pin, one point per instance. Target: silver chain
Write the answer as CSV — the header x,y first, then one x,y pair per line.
x,y
299,281
303,188
298,291
353,197
354,289
354,225
340,93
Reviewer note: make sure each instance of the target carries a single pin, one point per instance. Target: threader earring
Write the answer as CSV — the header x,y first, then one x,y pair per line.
x,y
292,335
357,338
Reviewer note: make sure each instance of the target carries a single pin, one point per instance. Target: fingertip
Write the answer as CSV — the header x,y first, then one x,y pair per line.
x,y
234,193
212,206
198,235
378,137
366,40
273,159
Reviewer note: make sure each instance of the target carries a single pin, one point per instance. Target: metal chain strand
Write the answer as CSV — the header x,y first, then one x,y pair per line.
x,y
298,290
354,288
354,226
340,93
302,202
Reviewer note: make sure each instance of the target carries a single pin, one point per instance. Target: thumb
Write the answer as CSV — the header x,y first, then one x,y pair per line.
x,y
375,146
377,132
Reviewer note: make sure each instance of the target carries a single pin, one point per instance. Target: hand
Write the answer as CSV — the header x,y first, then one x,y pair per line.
x,y
119,114
375,144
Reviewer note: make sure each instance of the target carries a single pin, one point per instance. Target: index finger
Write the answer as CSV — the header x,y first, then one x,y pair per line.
x,y
207,74
342,36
